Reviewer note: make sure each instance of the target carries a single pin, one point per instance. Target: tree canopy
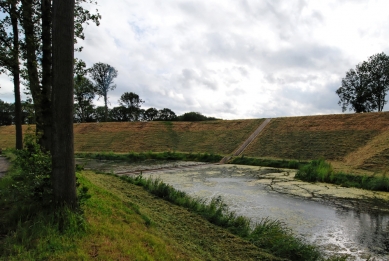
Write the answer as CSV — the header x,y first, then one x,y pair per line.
x,y
364,88
103,74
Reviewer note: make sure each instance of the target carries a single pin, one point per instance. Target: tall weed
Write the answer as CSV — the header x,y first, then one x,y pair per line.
x,y
322,171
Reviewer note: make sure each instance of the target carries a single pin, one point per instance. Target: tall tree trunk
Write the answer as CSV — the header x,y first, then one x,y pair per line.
x,y
32,71
16,76
105,108
46,72
63,173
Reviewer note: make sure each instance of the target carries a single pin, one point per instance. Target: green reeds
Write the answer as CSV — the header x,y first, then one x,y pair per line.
x,y
142,156
322,171
291,164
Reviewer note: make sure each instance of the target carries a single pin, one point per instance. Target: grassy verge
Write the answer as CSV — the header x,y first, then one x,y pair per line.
x,y
272,236
322,171
289,164
137,157
121,221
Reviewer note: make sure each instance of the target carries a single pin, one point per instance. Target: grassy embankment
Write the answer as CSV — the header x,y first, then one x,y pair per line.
x,y
214,137
122,221
355,146
355,143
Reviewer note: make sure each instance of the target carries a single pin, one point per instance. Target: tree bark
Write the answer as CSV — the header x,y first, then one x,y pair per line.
x,y
16,76
32,71
46,72
63,173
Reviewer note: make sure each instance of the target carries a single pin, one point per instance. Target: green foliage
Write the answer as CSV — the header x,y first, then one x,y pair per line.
x,y
142,156
32,181
41,236
242,160
26,191
317,170
364,89
321,171
269,235
194,116
274,236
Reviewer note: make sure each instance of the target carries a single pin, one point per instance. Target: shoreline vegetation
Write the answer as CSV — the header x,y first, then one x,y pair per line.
x,y
117,220
309,171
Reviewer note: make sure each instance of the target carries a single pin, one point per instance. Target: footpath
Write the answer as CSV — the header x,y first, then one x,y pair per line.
x,y
4,164
247,142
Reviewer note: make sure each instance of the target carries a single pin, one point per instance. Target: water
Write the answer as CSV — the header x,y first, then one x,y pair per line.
x,y
258,193
335,229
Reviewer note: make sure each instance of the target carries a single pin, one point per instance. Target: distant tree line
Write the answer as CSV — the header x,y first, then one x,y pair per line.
x,y
87,112
99,83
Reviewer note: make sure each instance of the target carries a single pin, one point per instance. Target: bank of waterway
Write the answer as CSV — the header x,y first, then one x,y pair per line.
x,y
339,220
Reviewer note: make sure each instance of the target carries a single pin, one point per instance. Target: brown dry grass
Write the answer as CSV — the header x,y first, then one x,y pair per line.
x,y
221,137
349,140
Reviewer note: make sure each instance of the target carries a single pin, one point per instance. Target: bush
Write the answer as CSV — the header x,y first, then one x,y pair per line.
x,y
32,180
26,191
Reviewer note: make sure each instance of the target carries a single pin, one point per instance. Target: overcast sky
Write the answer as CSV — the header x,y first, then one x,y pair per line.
x,y
233,59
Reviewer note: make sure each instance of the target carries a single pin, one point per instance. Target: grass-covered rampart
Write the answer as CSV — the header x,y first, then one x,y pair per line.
x,y
353,141
356,141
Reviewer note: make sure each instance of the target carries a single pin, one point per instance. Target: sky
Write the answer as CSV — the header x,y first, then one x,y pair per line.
x,y
233,59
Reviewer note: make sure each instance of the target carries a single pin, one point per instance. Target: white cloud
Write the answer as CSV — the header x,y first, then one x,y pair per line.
x,y
234,59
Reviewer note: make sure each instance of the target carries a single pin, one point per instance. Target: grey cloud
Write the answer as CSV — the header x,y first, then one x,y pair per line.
x,y
289,79
309,57
190,78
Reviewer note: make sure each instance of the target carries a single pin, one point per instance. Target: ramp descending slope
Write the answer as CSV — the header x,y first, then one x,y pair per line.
x,y
242,147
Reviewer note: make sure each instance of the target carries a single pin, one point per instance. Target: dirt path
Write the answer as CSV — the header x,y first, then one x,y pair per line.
x,y
4,164
247,142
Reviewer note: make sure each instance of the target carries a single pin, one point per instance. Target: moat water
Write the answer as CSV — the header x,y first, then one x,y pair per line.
x,y
360,232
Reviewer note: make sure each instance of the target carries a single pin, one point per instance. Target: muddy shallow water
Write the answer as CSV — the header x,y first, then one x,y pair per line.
x,y
339,220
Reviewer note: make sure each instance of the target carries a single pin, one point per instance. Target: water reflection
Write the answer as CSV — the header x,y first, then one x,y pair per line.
x,y
337,230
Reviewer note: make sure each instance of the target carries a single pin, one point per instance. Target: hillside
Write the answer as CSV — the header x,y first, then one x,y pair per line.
x,y
350,141
220,137
354,140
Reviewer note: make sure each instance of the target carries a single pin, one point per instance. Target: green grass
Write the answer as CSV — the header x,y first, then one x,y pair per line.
x,y
272,236
289,164
322,171
137,157
120,221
